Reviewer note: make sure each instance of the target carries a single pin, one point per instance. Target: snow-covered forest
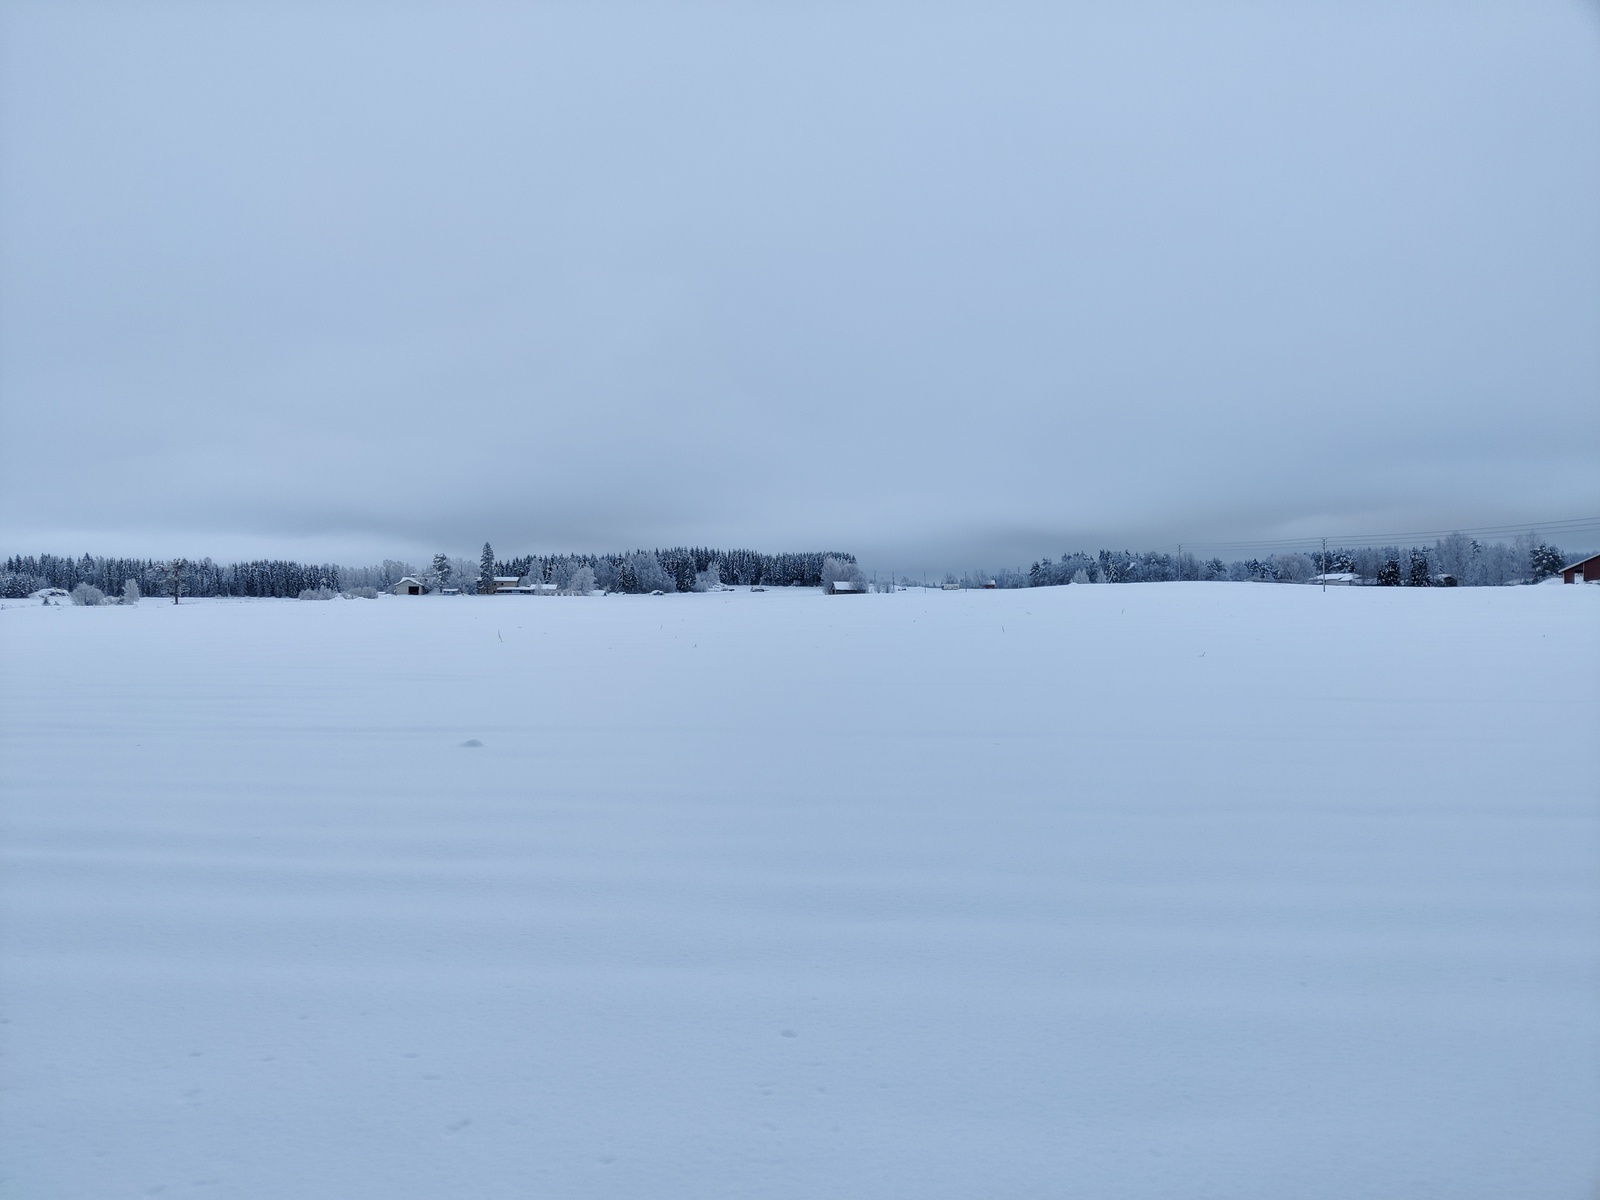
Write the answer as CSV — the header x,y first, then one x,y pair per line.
x,y
1466,561
679,568
1455,560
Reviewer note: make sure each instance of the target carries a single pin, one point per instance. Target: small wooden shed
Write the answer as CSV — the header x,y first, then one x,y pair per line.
x,y
1585,570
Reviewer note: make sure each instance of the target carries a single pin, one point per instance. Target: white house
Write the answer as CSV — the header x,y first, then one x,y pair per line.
x,y
524,589
410,587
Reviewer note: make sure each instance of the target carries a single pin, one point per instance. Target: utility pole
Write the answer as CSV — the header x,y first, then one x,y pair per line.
x,y
1324,564
1180,561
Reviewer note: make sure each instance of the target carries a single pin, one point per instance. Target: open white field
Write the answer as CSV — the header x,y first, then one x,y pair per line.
x,y
1117,892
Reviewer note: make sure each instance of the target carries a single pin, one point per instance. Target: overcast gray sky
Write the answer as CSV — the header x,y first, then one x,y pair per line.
x,y
947,285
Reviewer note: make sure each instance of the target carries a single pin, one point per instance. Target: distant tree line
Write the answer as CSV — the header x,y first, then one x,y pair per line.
x,y
24,574
680,568
1464,561
677,569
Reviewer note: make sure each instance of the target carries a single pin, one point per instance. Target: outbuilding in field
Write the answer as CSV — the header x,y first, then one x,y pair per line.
x,y
1337,579
410,587
845,587
525,589
1585,570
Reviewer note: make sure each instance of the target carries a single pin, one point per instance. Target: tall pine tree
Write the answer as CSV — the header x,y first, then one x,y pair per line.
x,y
486,570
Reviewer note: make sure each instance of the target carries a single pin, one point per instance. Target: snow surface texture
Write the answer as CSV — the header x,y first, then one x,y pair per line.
x,y
1177,890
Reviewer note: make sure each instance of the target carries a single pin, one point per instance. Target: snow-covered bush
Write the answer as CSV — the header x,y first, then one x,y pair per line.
x,y
1080,576
130,591
710,578
580,582
363,593
641,573
1291,568
88,595
318,593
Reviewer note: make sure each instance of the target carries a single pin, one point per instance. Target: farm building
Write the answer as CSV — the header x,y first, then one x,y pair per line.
x,y
410,587
525,589
1585,570
846,587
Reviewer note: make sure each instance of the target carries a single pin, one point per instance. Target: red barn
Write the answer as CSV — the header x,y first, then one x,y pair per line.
x,y
1586,570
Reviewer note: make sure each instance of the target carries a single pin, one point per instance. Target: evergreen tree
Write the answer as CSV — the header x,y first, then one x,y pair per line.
x,y
1389,573
1418,574
1544,561
486,570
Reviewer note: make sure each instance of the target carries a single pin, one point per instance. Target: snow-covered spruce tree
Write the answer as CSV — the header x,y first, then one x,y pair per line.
x,y
172,572
17,586
130,591
625,582
1417,573
486,570
1389,572
1544,561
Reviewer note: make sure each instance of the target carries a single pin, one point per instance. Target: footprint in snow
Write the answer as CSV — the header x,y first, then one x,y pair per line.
x,y
472,743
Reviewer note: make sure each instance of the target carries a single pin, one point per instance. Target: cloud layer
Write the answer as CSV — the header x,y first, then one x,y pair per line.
x,y
948,287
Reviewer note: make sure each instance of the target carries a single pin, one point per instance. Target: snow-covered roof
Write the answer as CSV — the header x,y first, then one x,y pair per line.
x,y
846,585
506,578
408,579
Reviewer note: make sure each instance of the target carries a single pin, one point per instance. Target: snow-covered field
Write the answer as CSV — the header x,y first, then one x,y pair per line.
x,y
1177,890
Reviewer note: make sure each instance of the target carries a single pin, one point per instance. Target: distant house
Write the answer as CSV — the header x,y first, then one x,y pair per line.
x,y
845,587
410,587
1585,570
950,587
1337,579
503,583
990,586
524,589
